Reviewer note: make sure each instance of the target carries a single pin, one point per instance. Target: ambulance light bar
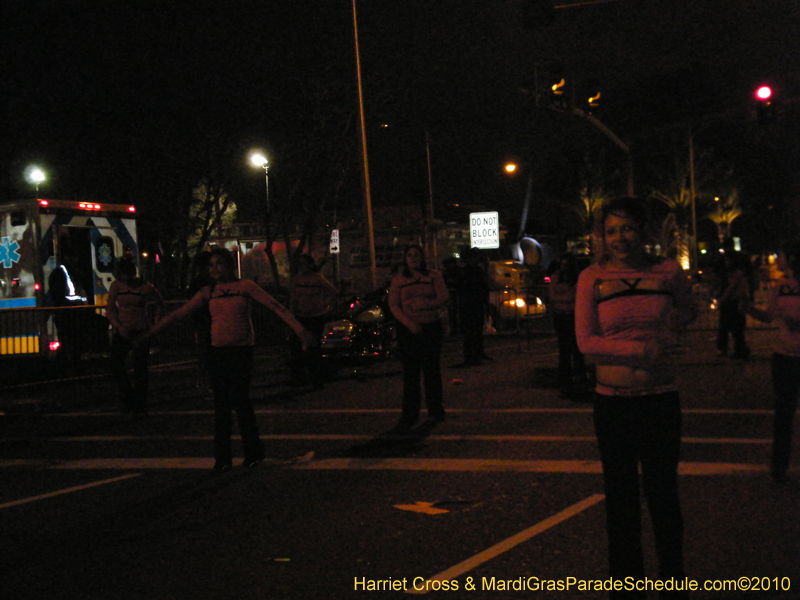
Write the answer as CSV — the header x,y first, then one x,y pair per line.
x,y
86,206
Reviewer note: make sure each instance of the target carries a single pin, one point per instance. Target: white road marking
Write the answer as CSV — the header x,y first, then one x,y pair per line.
x,y
67,490
592,467
357,438
481,411
507,544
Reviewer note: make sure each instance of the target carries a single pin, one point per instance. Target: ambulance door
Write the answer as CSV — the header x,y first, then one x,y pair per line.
x,y
106,251
74,251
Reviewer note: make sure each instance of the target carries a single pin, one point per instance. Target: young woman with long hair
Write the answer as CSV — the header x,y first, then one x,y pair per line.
x,y
417,295
230,357
783,306
629,306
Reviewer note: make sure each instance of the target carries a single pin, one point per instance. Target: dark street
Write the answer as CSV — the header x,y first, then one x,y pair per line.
x,y
506,490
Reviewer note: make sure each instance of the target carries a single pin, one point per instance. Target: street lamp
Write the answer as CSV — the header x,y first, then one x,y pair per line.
x,y
512,168
259,160
35,175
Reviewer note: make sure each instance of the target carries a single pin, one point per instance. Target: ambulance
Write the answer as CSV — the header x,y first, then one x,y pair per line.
x,y
81,240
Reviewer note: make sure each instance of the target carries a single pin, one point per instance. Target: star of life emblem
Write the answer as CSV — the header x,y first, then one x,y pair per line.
x,y
105,255
8,252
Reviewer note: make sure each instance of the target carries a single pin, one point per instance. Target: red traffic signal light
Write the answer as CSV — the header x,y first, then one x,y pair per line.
x,y
763,93
765,109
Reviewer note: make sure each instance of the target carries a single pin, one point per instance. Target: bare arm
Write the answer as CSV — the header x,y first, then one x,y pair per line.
x,y
262,297
111,309
766,315
196,303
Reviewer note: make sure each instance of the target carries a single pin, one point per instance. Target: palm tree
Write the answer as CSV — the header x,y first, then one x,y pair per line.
x,y
676,194
675,238
724,213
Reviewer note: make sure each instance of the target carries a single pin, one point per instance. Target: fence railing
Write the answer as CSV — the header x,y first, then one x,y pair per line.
x,y
83,333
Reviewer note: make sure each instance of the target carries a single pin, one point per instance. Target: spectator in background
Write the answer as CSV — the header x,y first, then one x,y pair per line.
x,y
133,305
451,272
732,303
416,296
783,306
571,365
201,318
311,301
473,301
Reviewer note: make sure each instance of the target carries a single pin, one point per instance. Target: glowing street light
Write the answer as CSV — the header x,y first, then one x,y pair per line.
x,y
259,160
35,176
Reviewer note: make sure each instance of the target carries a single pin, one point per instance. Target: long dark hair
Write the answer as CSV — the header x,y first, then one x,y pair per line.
x,y
423,265
227,257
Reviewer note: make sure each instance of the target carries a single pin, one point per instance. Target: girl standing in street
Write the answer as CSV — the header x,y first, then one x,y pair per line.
x,y
629,306
230,358
571,366
783,306
311,301
129,299
416,296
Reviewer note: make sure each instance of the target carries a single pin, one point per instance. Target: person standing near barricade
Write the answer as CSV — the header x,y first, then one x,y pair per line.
x,y
201,318
229,301
732,302
416,296
571,366
473,300
783,306
311,301
133,304
629,306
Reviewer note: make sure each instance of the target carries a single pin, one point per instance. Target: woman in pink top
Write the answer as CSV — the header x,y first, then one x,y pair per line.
x,y
628,308
229,301
132,304
416,296
784,307
311,301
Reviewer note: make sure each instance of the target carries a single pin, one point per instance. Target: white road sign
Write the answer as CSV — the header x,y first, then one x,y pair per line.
x,y
335,241
484,230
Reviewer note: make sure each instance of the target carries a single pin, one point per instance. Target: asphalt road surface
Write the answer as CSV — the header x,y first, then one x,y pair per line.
x,y
505,494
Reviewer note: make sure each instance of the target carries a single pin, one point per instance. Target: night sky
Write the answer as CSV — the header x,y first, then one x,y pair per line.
x,y
136,100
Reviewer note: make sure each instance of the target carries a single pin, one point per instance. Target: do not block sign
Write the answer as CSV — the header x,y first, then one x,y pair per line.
x,y
484,230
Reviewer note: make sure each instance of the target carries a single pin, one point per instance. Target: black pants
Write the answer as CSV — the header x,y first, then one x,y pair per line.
x,y
732,322
421,357
646,431
306,366
786,384
231,368
472,324
571,365
133,388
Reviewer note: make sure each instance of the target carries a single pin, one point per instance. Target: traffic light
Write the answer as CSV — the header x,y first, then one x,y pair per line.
x,y
557,86
765,105
592,95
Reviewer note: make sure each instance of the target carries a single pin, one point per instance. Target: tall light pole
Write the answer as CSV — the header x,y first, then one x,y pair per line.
x,y
365,164
259,160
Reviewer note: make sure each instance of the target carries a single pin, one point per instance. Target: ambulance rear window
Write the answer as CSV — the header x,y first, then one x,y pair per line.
x,y
18,219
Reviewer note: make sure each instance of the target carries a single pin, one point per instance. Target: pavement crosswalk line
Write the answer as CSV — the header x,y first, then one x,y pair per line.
x,y
308,462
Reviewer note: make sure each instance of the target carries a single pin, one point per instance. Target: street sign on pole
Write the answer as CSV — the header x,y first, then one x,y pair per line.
x,y
335,241
484,230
